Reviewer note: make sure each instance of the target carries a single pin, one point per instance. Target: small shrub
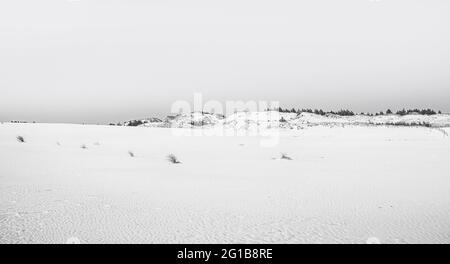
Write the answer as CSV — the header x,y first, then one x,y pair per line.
x,y
412,124
131,154
344,113
83,146
285,156
426,124
135,123
173,159
20,139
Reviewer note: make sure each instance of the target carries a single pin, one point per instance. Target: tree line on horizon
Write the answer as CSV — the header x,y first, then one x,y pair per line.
x,y
346,112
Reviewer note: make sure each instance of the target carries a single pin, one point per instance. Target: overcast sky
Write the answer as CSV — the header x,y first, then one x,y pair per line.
x,y
112,60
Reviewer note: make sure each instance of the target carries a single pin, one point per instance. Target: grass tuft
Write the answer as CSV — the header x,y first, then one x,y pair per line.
x,y
285,156
173,159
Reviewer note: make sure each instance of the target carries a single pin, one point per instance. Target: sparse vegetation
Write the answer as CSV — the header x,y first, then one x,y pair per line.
x,y
412,124
345,112
173,159
134,123
285,156
20,139
83,146
197,123
416,112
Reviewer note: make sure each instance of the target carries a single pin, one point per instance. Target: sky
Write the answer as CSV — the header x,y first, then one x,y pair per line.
x,y
99,61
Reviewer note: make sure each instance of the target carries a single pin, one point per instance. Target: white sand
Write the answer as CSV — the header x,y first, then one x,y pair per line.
x,y
352,184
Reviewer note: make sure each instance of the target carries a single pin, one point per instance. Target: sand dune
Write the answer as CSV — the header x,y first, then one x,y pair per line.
x,y
343,185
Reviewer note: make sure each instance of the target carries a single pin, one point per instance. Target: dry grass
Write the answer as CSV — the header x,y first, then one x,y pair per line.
x,y
285,156
173,159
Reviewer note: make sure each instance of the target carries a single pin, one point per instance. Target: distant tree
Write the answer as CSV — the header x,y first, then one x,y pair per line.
x,y
428,112
402,112
345,113
134,123
416,111
307,111
389,112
